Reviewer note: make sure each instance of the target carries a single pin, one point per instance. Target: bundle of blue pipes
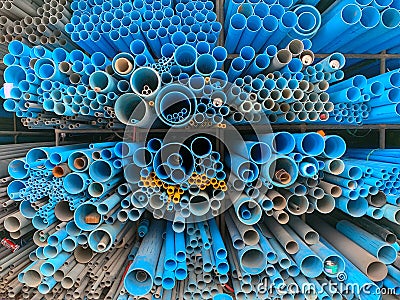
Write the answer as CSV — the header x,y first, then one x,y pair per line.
x,y
205,181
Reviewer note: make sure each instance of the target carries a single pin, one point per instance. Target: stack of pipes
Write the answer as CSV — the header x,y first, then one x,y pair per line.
x,y
353,27
123,220
86,221
361,101
92,91
42,85
262,23
40,22
153,22
286,88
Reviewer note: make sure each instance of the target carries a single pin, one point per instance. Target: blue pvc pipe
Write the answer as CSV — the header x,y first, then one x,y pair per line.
x,y
140,276
205,64
253,25
185,56
276,163
236,27
102,170
75,183
102,82
309,143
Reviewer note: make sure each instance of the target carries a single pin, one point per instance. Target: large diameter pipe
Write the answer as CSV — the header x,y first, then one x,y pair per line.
x,y
145,82
131,109
173,100
384,252
281,171
363,260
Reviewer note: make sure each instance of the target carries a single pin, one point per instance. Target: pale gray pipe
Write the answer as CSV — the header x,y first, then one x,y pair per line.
x,y
281,59
307,234
248,233
324,205
280,216
296,47
15,222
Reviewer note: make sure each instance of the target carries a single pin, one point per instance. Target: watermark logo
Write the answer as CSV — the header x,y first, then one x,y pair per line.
x,y
341,276
340,284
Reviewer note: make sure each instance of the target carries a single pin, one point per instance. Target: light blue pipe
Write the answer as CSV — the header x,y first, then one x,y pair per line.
x,y
266,246
81,212
18,49
220,54
369,19
10,60
335,146
180,248
102,82
57,237
392,213
237,67
14,74
247,210
108,204
286,23
170,262
17,169
102,170
69,244
358,81
72,229
51,251
131,109
354,275
280,143
252,260
75,183
389,20
143,78
185,57
355,208
374,245
47,285
309,263
237,26
53,264
237,240
260,63
327,254
253,26
351,171
139,278
374,89
172,99
349,16
311,143
205,64
218,246
243,168
46,69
